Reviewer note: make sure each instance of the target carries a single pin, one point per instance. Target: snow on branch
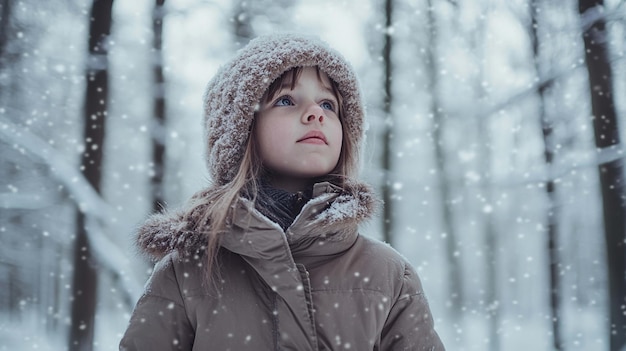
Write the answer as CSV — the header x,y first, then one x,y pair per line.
x,y
19,200
531,90
600,13
87,199
24,141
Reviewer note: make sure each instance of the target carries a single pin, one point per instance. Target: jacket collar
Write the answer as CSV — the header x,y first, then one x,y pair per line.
x,y
327,224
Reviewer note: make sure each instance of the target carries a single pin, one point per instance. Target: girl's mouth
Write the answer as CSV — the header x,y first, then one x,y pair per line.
x,y
314,137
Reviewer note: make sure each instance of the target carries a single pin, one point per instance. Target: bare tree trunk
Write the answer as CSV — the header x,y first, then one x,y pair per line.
x,y
85,279
5,16
552,215
611,173
15,293
388,220
242,25
159,124
452,249
492,244
493,305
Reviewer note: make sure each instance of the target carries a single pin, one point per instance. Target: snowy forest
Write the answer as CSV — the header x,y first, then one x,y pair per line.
x,y
494,139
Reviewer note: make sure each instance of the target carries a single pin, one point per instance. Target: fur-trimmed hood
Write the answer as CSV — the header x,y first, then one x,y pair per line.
x,y
331,215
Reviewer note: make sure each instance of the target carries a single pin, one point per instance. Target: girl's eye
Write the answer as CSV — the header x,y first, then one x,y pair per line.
x,y
327,105
283,101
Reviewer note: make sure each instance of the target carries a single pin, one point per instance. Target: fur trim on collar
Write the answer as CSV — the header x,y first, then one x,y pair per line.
x,y
168,232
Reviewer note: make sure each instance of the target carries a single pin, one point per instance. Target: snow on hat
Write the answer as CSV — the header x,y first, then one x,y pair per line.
x,y
234,93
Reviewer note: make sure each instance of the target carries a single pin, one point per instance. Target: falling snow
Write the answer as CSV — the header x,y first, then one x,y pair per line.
x,y
492,180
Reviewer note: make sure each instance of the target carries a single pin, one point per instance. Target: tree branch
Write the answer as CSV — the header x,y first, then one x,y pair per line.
x,y
86,198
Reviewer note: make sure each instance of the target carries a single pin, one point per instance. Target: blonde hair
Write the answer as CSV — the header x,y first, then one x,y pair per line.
x,y
215,205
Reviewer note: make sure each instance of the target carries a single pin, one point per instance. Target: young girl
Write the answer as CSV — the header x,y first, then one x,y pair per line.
x,y
269,257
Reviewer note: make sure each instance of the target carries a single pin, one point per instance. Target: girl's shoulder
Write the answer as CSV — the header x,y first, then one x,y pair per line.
x,y
383,260
368,265
380,251
177,275
378,258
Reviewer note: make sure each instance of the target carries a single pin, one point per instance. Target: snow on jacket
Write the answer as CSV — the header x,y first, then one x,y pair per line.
x,y
318,286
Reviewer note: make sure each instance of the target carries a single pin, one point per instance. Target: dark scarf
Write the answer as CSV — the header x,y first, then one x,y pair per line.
x,y
280,205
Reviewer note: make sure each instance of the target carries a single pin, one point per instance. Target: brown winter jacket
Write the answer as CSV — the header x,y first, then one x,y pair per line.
x,y
318,286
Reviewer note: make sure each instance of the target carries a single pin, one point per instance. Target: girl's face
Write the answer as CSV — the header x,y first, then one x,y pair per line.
x,y
298,132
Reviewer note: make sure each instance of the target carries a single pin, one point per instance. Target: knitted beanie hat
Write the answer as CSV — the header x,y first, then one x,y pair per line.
x,y
233,95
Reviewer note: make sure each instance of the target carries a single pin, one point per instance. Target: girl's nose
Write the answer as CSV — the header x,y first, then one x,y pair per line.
x,y
311,118
314,112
